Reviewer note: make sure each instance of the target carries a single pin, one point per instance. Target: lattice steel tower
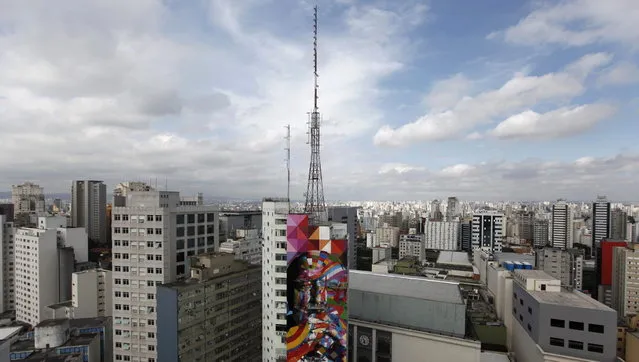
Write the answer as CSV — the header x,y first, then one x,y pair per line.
x,y
315,205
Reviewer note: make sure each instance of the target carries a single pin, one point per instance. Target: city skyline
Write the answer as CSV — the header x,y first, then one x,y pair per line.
x,y
199,94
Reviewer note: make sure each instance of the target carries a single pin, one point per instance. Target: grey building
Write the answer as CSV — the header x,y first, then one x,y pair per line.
x,y
348,216
465,235
230,221
526,220
566,265
402,318
540,233
600,222
88,208
559,321
487,231
618,224
562,232
216,315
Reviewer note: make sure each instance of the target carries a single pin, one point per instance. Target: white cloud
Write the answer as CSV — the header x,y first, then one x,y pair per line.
x,y
519,93
446,93
577,23
581,179
109,90
561,122
622,73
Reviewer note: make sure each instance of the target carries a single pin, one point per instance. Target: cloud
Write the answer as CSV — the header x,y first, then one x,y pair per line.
x,y
581,179
576,23
196,92
445,93
520,92
620,74
561,122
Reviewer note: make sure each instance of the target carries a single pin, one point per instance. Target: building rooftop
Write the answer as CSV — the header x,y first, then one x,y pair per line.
x,y
402,285
533,274
29,344
89,322
48,357
7,332
569,298
61,305
453,257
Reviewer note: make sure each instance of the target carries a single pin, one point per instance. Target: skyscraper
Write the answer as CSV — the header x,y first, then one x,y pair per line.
x,y
561,225
153,236
88,208
487,230
540,233
28,198
274,215
348,216
452,208
600,221
618,224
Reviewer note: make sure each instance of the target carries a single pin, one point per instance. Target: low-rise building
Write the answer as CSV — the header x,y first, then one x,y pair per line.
x,y
563,264
91,296
411,245
214,315
247,246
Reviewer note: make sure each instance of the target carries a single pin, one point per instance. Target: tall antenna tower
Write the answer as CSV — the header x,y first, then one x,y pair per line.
x,y
315,205
288,162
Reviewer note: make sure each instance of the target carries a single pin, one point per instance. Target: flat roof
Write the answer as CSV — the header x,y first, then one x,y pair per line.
x,y
453,257
66,304
569,298
534,274
407,286
6,332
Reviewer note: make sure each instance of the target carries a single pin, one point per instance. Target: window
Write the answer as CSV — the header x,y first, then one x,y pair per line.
x,y
158,257
597,348
521,302
149,270
150,283
521,318
543,287
125,217
514,295
190,243
158,231
158,217
150,322
190,231
190,218
158,270
180,269
210,217
149,257
200,229
179,244
149,217
149,231
200,218
151,347
559,342
125,230
576,325
116,217
179,257
576,345
180,219
529,310
559,323
595,328
529,328
150,296
210,240
179,231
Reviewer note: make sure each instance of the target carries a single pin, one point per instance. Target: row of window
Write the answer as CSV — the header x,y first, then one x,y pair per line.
x,y
149,231
592,347
578,326
119,357
140,218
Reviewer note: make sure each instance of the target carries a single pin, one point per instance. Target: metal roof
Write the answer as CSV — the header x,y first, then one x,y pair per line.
x,y
406,286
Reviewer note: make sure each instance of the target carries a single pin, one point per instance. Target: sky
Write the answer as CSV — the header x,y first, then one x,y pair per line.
x,y
483,100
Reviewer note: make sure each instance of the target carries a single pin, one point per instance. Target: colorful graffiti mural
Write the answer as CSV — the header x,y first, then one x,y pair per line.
x,y
317,285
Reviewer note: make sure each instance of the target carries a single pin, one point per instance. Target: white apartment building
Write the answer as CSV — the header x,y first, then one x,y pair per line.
x,y
247,246
7,272
386,235
88,208
441,235
487,231
411,245
562,220
153,237
27,198
625,277
91,296
44,261
274,217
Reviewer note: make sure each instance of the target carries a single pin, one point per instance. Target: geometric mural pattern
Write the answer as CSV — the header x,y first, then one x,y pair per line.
x,y
317,285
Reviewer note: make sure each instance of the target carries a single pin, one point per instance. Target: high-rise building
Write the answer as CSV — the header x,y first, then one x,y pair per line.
x,y
274,217
618,224
487,230
526,222
452,209
215,315
435,211
7,271
441,235
563,264
153,236
348,216
386,235
603,269
465,235
561,225
600,221
540,233
28,198
44,260
411,245
625,290
88,208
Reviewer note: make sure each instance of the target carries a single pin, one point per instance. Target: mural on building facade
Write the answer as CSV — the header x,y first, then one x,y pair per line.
x,y
317,284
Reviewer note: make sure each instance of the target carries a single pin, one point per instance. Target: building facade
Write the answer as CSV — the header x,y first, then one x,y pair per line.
x,y
349,216
88,208
600,221
274,218
559,321
618,224
487,230
604,269
540,233
247,246
153,237
8,264
563,264
452,209
215,315
441,235
625,273
28,198
561,226
411,245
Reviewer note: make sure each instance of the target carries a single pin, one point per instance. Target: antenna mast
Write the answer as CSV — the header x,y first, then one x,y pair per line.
x,y
288,163
315,205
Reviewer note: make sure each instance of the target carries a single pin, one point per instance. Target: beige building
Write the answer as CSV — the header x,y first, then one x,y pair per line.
x,y
28,198
625,279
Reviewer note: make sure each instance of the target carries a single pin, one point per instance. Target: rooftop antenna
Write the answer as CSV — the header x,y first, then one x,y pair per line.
x,y
288,164
315,205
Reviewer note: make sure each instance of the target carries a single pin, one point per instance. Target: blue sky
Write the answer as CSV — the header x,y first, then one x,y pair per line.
x,y
499,100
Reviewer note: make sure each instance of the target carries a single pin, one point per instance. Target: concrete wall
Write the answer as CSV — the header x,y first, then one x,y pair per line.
x,y
167,325
409,312
632,347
